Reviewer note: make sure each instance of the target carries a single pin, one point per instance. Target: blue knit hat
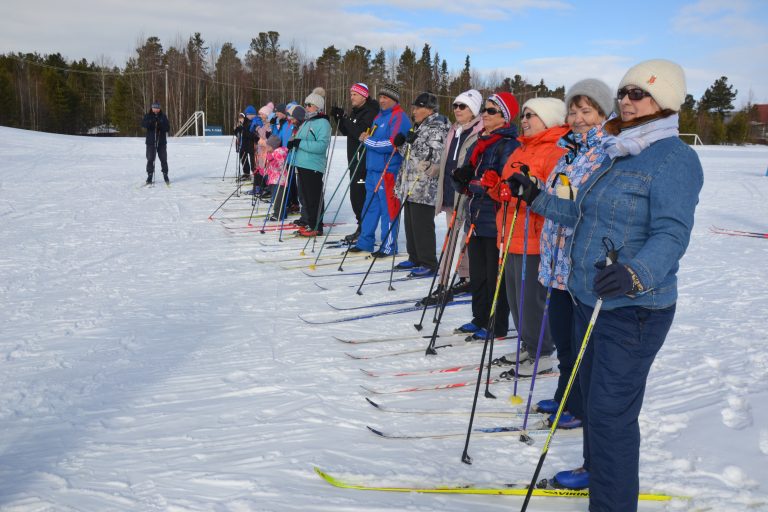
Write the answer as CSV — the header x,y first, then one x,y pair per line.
x,y
155,104
250,109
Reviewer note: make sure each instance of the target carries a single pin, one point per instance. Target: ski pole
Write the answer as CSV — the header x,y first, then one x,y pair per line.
x,y
443,296
272,199
358,157
283,215
323,205
210,217
450,234
232,143
403,168
465,458
392,225
610,258
515,399
368,206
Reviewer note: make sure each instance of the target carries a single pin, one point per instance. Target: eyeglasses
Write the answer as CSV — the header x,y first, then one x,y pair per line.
x,y
635,94
528,115
490,111
459,106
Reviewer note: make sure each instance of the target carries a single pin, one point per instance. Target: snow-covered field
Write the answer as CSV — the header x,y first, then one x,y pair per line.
x,y
149,362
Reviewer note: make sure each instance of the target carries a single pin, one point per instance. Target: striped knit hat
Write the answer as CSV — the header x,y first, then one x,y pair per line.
x,y
390,91
507,103
360,88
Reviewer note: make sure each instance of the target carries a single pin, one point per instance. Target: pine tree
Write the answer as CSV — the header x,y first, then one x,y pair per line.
x,y
718,98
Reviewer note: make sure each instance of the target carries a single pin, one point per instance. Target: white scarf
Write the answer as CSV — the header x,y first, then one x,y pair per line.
x,y
634,140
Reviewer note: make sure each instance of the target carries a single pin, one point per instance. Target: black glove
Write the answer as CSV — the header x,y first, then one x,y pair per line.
x,y
337,112
615,280
293,144
463,175
399,140
523,187
411,137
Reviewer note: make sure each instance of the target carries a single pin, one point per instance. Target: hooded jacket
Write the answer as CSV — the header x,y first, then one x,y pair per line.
x,y
419,175
380,144
540,153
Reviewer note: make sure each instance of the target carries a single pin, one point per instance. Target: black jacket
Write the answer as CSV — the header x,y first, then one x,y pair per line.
x,y
354,124
157,126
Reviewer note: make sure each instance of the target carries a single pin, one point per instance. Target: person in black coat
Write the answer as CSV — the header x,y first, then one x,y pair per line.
x,y
157,126
360,119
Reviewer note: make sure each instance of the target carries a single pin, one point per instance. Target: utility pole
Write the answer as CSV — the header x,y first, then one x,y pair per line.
x,y
167,106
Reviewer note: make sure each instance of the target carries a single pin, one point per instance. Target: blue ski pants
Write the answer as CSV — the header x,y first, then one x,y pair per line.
x,y
613,375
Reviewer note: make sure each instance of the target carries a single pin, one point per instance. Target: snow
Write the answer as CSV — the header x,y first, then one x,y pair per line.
x,y
150,363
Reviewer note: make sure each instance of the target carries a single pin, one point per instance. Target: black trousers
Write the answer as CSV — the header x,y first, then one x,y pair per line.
x,y
160,152
420,234
483,271
311,190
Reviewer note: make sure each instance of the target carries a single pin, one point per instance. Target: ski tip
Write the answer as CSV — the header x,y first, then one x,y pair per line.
x,y
377,432
372,403
525,438
368,390
367,372
516,400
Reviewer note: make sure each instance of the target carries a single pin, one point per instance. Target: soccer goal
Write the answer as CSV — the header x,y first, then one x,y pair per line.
x,y
696,138
192,121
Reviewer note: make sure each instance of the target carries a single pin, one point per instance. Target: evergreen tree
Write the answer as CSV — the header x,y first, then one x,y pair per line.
x,y
737,129
378,69
718,98
406,75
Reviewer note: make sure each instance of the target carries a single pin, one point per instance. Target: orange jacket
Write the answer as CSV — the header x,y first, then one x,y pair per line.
x,y
540,153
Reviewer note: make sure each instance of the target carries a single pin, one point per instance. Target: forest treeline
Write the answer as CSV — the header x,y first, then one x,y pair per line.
x,y
48,93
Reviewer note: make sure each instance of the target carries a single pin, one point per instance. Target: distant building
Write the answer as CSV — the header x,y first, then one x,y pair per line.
x,y
758,129
103,130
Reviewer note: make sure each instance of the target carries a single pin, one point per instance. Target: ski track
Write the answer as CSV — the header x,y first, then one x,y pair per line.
x,y
151,364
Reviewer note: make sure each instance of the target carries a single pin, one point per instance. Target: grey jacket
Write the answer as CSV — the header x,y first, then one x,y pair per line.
x,y
419,174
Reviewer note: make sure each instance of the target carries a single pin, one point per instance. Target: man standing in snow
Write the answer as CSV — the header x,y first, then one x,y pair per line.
x,y
382,164
157,126
353,125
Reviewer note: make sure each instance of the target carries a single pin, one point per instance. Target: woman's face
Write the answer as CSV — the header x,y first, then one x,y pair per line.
x,y
632,109
463,113
582,116
531,123
492,117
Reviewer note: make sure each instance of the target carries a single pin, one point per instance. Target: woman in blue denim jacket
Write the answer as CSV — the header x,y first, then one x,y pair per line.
x,y
641,202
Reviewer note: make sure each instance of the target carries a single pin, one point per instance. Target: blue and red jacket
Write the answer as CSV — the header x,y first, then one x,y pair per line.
x,y
380,145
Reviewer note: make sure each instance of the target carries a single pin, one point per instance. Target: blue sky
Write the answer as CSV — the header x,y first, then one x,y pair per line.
x,y
561,41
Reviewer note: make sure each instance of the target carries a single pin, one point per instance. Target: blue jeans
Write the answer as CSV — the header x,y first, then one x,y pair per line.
x,y
613,374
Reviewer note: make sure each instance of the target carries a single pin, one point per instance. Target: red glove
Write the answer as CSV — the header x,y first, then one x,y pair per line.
x,y
490,178
504,193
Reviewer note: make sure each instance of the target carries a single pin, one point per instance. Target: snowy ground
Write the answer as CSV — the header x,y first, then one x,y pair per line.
x,y
150,363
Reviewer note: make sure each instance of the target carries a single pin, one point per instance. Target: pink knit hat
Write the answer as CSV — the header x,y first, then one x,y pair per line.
x,y
267,109
360,88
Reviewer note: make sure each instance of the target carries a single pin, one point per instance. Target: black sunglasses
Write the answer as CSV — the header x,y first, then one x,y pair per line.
x,y
491,111
528,115
459,106
635,94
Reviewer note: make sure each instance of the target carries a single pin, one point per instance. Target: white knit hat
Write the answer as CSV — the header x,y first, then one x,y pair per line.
x,y
663,79
471,98
317,98
551,111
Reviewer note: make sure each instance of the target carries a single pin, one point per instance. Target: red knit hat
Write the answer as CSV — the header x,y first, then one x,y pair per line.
x,y
360,88
508,104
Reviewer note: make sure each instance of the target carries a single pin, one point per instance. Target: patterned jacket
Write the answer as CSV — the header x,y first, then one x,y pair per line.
x,y
423,161
586,154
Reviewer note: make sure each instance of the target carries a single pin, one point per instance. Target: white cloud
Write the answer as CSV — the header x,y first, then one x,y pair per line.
x,y
567,70
716,18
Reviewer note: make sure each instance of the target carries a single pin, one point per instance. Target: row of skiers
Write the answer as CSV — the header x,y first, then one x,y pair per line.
x,y
591,208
